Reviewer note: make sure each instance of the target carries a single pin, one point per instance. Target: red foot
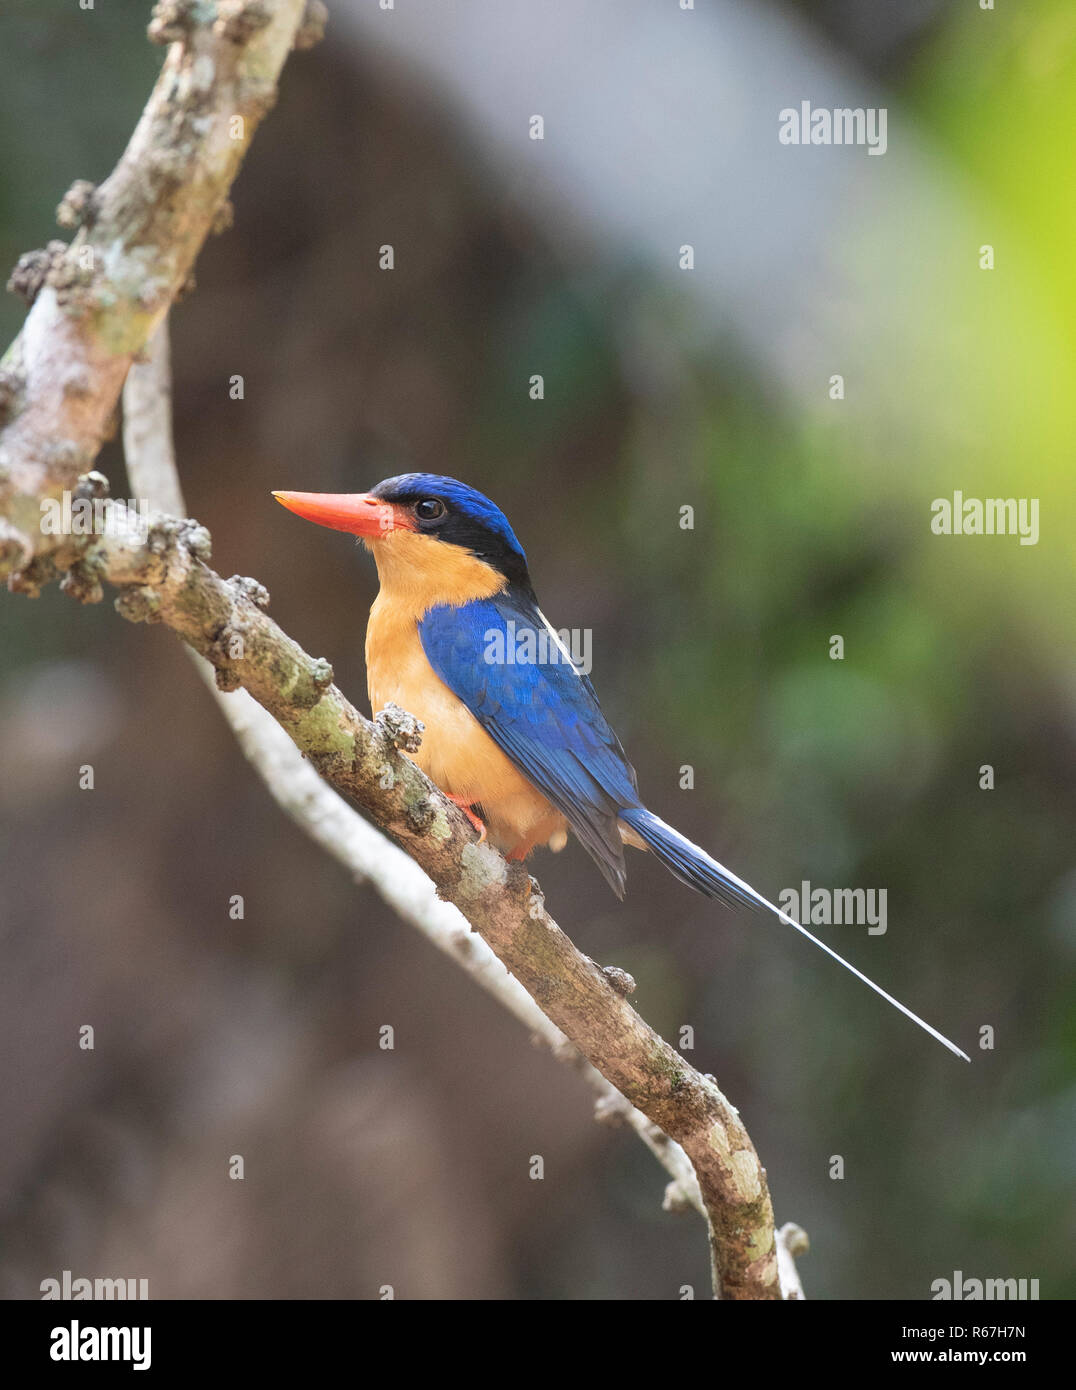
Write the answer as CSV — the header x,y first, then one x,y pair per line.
x,y
520,852
465,807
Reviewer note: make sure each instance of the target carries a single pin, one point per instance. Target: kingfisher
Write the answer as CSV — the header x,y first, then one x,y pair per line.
x,y
514,733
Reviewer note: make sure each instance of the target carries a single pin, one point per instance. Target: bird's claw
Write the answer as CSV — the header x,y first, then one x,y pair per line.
x,y
465,807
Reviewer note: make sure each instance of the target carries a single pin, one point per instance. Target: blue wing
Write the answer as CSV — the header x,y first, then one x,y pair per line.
x,y
541,712
547,719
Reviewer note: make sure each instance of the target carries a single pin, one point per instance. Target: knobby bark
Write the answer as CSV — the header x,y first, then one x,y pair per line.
x,y
59,384
97,302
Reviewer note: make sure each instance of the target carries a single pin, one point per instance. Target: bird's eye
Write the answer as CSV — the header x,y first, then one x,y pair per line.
x,y
429,509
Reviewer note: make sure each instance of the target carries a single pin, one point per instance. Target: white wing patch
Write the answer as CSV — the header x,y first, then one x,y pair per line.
x,y
555,635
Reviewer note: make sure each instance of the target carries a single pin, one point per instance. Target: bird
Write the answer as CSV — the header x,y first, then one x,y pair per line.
x,y
514,734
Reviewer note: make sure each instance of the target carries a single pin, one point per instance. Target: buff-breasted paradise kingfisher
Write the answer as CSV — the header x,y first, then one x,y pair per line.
x,y
520,744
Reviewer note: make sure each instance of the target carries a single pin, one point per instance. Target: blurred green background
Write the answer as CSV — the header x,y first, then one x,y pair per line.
x,y
711,648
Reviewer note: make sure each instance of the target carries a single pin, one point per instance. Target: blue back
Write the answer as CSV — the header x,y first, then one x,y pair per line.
x,y
543,715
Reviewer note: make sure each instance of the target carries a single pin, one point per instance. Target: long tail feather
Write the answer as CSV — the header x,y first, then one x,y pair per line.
x,y
693,866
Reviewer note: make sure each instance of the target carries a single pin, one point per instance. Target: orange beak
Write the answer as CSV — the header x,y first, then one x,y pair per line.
x,y
355,512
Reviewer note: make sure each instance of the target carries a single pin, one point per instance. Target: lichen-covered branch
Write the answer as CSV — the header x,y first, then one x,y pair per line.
x,y
95,303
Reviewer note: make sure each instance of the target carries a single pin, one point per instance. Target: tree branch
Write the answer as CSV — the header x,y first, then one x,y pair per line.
x,y
165,578
96,304
791,1241
328,819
